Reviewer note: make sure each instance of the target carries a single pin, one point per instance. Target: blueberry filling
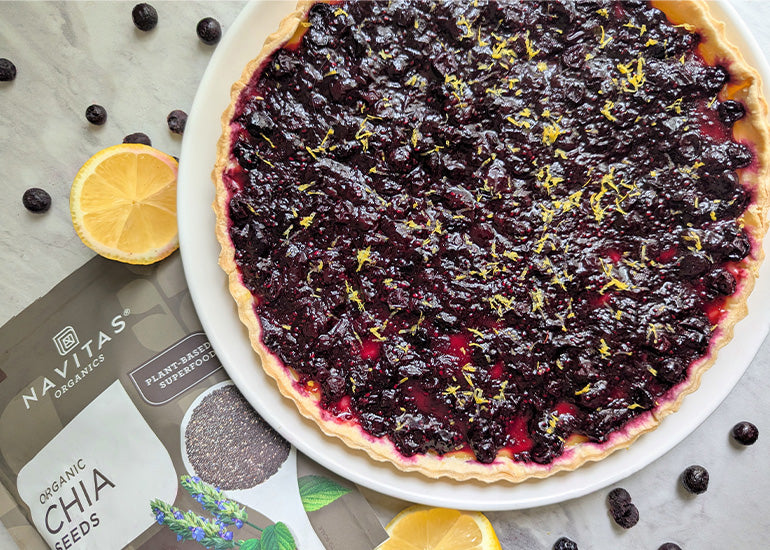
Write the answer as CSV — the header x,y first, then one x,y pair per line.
x,y
488,226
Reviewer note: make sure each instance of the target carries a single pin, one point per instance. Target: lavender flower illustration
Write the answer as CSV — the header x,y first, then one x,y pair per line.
x,y
215,534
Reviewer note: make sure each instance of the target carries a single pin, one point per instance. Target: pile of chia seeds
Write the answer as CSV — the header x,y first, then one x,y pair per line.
x,y
229,445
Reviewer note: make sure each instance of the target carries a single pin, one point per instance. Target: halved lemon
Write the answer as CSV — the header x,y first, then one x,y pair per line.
x,y
425,528
123,203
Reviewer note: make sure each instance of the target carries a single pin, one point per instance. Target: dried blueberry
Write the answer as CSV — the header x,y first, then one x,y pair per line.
x,y
96,114
745,433
626,516
145,17
695,479
618,497
669,546
622,510
565,544
209,31
138,137
36,200
7,70
176,121
730,111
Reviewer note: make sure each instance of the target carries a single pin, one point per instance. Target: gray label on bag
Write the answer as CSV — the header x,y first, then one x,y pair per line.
x,y
173,371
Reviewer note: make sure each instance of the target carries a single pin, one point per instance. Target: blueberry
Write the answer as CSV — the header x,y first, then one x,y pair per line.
x,y
739,155
618,496
721,281
36,199
729,111
669,546
574,57
745,433
565,544
692,266
7,70
259,123
244,152
713,78
736,247
96,114
177,120
695,479
689,147
627,516
722,186
138,137
145,17
209,30
622,510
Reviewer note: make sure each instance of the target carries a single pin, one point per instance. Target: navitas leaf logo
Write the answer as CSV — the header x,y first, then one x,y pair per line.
x,y
66,340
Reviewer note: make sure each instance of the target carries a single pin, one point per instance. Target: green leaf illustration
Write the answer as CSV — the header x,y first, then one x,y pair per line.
x,y
277,537
318,491
251,544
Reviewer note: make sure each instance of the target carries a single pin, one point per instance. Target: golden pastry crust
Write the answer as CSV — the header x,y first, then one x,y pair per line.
x,y
745,86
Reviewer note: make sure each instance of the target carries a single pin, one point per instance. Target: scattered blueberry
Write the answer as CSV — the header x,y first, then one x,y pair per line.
x,y
7,70
96,114
730,111
565,544
138,137
145,17
176,121
745,433
622,510
695,479
618,496
36,199
209,30
669,546
627,516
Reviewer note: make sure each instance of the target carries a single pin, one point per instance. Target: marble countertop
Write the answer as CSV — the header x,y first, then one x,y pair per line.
x,y
72,54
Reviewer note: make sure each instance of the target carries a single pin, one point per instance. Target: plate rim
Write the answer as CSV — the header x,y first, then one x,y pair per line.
x,y
212,301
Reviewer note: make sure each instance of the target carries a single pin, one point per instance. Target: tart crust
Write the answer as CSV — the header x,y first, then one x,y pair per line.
x,y
745,86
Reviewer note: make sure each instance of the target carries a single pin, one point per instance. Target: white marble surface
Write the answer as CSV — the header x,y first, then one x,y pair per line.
x,y
72,54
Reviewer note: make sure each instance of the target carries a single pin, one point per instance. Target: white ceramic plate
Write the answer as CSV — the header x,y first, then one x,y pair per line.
x,y
218,314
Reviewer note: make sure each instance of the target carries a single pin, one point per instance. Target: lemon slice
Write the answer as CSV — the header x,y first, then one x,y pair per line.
x,y
424,528
123,203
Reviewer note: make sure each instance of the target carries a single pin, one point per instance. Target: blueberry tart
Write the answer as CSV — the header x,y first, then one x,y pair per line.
x,y
492,240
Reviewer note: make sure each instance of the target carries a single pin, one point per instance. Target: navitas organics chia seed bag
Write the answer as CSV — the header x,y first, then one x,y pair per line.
x,y
119,428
